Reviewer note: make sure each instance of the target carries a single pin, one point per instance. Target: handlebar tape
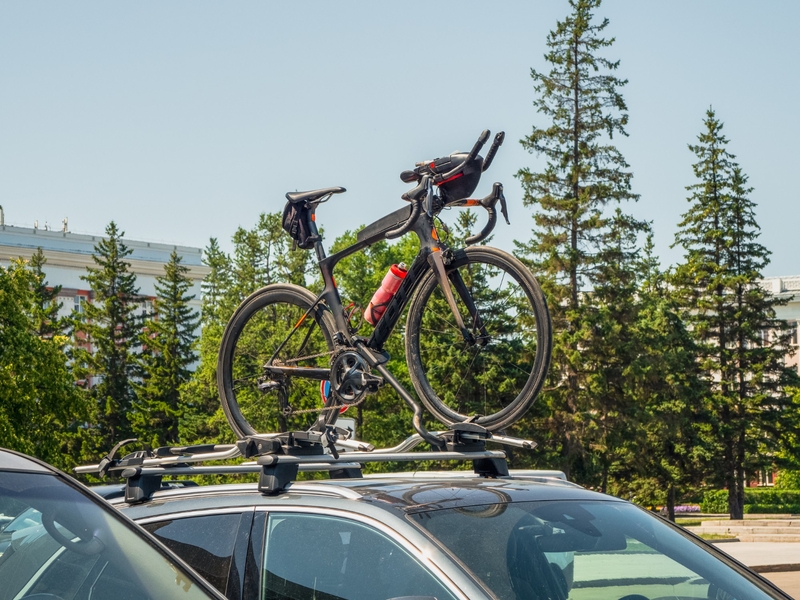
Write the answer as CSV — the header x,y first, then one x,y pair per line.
x,y
474,239
478,145
498,141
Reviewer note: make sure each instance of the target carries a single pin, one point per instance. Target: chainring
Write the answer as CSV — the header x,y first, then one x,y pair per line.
x,y
349,373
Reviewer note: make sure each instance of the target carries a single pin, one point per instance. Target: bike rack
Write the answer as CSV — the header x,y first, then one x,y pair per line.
x,y
279,457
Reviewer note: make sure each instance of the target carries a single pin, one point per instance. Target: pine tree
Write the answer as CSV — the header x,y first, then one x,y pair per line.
x,y
167,353
216,284
611,314
46,305
107,339
584,176
202,418
742,343
668,444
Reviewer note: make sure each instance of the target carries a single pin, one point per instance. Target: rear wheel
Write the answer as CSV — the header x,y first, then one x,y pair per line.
x,y
494,380
268,327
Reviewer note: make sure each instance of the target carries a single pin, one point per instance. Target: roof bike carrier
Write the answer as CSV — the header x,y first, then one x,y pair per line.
x,y
279,457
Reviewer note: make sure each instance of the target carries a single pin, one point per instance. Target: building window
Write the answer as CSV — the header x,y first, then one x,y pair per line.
x,y
80,304
792,324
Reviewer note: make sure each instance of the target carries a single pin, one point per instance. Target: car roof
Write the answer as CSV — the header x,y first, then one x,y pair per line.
x,y
11,461
390,492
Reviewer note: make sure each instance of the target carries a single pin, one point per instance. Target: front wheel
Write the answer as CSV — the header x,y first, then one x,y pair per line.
x,y
494,377
269,328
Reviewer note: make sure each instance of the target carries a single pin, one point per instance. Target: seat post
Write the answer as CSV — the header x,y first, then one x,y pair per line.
x,y
319,249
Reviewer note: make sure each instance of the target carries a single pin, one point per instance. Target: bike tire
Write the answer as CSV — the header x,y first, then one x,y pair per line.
x,y
251,337
494,384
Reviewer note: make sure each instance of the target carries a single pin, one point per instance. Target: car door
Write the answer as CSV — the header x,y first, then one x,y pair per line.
x,y
216,543
60,541
316,555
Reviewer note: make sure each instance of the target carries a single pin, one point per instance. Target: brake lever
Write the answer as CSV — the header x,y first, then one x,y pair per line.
x,y
503,206
428,202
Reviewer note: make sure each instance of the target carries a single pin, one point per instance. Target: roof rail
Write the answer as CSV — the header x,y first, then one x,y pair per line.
x,y
280,456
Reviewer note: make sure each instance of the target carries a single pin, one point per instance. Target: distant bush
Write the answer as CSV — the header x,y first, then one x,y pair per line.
x,y
788,480
771,509
714,502
756,500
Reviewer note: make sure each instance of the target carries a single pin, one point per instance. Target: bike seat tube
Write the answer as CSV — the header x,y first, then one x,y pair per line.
x,y
319,249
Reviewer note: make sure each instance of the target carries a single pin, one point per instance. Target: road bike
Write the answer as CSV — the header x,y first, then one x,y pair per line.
x,y
477,335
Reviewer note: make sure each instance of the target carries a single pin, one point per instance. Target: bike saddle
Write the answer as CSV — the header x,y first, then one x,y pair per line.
x,y
295,197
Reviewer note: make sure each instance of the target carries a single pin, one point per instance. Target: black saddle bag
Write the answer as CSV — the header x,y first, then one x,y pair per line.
x,y
295,223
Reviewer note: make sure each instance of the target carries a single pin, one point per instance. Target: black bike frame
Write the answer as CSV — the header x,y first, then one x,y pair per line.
x,y
430,256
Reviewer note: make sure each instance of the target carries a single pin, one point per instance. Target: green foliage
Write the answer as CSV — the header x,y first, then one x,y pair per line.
x,y
788,480
741,344
715,502
579,246
771,509
756,500
167,341
382,418
46,305
107,340
40,408
262,255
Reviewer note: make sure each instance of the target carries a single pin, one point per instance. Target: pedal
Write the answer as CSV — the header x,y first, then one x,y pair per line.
x,y
372,382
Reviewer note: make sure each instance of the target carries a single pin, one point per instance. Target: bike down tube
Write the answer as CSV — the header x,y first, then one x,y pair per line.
x,y
385,325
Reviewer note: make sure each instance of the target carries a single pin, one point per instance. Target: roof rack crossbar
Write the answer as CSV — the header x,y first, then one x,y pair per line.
x,y
369,457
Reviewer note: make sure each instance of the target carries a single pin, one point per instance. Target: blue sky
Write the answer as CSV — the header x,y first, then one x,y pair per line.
x,y
184,120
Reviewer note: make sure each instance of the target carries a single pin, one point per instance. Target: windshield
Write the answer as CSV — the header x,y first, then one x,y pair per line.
x,y
58,543
584,550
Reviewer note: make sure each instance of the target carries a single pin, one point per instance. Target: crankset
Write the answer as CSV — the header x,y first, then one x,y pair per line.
x,y
351,379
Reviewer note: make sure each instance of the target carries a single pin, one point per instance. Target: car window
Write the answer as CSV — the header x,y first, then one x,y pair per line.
x,y
206,542
57,542
575,550
316,557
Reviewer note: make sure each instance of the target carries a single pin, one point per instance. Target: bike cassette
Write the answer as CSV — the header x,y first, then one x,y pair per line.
x,y
351,378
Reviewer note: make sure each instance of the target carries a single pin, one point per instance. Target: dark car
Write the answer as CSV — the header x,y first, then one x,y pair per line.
x,y
60,542
530,536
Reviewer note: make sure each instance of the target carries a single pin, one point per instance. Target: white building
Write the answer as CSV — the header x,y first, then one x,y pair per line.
x,y
788,288
68,255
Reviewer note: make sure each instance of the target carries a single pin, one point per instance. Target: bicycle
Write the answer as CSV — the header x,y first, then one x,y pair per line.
x,y
477,336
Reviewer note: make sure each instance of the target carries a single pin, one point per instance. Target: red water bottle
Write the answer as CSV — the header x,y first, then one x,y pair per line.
x,y
389,286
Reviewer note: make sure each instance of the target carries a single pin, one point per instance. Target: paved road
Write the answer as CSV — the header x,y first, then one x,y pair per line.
x,y
788,582
759,554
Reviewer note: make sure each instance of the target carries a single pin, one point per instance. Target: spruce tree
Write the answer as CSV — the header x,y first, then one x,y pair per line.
x,y
107,339
46,305
611,315
167,341
742,343
202,418
668,446
584,177
216,284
